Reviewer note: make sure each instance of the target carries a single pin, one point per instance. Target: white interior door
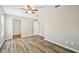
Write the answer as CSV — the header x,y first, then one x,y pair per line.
x,y
36,28
16,27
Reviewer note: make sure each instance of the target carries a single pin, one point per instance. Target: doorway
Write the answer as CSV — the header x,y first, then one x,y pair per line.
x,y
36,27
16,28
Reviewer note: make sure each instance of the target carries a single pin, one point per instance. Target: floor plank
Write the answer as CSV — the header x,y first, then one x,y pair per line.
x,y
32,44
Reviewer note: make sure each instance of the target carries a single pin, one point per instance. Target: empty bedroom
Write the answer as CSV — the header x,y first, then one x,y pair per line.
x,y
39,28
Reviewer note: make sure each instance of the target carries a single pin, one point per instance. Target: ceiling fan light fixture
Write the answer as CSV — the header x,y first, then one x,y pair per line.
x,y
30,9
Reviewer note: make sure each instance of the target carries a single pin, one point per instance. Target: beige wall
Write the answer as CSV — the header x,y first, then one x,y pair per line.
x,y
62,25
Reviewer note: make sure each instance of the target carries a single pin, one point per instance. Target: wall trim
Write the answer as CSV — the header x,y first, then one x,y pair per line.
x,y
63,45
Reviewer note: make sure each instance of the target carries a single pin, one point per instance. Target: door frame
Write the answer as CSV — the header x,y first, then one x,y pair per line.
x,y
19,29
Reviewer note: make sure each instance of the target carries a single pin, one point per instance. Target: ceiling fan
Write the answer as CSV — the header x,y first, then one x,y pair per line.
x,y
29,9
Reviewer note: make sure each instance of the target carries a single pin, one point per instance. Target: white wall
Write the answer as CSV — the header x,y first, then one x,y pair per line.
x,y
15,10
9,26
62,25
26,27
40,17
0,24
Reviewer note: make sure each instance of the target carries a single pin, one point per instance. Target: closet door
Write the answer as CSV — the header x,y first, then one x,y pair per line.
x,y
36,27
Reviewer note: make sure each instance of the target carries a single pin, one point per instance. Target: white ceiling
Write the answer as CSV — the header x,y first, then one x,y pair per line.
x,y
15,9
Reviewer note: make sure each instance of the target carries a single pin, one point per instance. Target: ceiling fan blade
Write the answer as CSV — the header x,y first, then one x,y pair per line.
x,y
57,6
34,9
33,12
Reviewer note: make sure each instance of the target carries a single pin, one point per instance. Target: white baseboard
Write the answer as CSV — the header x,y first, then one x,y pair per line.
x,y
63,45
26,36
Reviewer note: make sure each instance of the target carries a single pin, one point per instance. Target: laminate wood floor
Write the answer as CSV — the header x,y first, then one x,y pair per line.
x,y
32,44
